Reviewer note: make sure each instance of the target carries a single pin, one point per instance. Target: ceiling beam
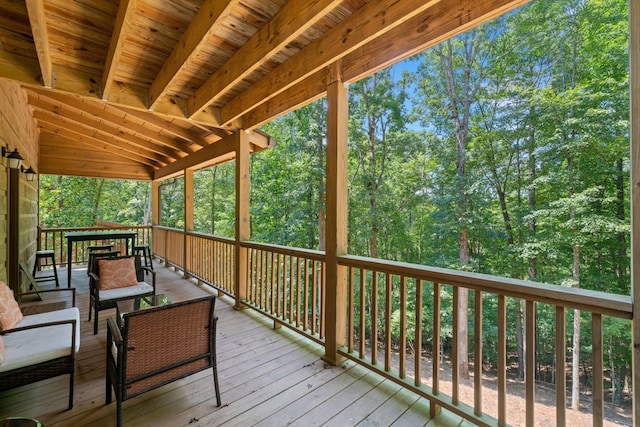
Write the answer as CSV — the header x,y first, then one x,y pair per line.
x,y
206,22
121,28
350,34
201,136
295,17
38,21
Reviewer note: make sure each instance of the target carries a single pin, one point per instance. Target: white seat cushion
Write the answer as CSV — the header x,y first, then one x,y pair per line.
x,y
25,348
126,292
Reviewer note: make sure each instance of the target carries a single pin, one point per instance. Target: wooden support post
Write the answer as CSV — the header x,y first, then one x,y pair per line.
x,y
336,230
188,220
13,233
243,181
634,53
155,213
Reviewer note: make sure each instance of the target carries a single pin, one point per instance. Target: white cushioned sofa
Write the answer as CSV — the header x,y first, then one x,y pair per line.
x,y
40,345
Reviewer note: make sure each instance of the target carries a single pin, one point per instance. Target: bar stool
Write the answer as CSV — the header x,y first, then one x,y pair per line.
x,y
107,247
146,254
45,254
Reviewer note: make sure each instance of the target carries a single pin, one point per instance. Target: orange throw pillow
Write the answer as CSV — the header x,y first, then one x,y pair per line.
x,y
117,273
10,313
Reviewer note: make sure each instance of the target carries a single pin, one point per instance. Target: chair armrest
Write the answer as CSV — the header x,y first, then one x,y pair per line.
x,y
153,277
72,290
39,325
115,335
94,284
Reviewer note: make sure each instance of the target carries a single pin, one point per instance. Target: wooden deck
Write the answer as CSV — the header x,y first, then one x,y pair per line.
x,y
268,377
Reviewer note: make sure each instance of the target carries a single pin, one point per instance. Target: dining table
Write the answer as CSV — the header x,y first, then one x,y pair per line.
x,y
101,235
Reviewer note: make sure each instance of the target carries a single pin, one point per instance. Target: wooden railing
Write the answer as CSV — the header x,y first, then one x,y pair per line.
x,y
376,340
208,258
53,239
287,285
394,312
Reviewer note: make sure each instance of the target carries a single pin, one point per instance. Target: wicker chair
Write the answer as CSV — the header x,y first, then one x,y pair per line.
x,y
102,300
149,348
44,342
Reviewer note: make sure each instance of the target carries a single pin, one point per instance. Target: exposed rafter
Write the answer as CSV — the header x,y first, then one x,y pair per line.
x,y
121,28
38,22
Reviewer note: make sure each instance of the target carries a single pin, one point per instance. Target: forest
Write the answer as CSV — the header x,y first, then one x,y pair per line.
x,y
503,151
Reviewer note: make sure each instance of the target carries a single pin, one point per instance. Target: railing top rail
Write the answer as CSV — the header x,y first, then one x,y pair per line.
x,y
286,250
68,229
583,299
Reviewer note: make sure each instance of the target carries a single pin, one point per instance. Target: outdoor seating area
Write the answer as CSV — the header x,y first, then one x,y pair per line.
x,y
267,376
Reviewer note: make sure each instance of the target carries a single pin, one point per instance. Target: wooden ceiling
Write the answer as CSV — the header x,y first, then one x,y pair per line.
x,y
134,88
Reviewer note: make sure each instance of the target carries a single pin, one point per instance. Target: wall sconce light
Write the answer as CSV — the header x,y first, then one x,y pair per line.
x,y
15,159
31,174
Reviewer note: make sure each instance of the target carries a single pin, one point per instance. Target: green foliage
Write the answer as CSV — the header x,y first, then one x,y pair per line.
x,y
81,202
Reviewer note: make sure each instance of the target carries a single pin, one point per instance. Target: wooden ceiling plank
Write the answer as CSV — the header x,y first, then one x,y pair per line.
x,y
121,28
38,22
372,20
206,22
293,19
107,143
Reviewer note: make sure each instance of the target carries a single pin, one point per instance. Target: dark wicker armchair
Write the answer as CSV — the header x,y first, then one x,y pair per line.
x,y
149,348
100,299
44,343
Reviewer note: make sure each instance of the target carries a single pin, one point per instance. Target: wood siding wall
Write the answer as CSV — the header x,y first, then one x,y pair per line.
x,y
18,130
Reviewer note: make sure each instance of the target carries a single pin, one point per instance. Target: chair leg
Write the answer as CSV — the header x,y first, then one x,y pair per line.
x,y
108,391
71,375
215,383
55,273
95,321
119,411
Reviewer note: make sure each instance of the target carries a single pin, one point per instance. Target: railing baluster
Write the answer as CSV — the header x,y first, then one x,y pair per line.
x,y
561,372
314,296
417,359
455,368
477,363
598,394
530,360
403,328
502,361
387,322
351,310
374,318
435,343
363,308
